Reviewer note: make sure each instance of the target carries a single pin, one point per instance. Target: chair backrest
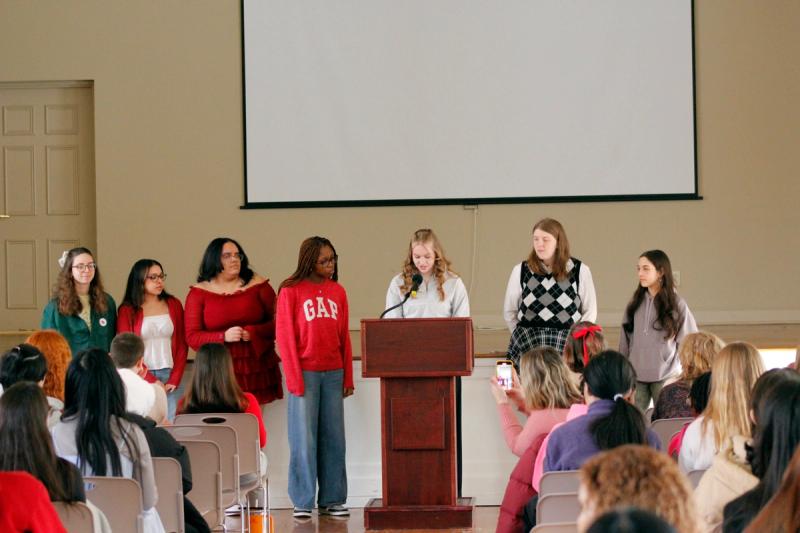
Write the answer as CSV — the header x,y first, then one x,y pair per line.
x,y
665,428
561,527
247,430
558,508
225,438
694,477
563,482
169,481
75,517
648,415
206,494
120,499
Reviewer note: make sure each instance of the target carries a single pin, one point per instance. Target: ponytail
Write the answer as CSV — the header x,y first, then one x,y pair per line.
x,y
610,376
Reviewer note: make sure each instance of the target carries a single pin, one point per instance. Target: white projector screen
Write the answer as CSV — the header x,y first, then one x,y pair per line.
x,y
385,102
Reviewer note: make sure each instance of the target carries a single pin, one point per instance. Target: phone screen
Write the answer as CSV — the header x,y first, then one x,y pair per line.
x,y
503,370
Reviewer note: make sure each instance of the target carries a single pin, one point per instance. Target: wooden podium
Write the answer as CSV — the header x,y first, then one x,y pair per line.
x,y
417,360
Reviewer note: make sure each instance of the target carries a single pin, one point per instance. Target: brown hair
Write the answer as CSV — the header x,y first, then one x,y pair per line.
x,y
546,381
734,372
214,387
561,256
64,291
55,349
310,250
782,513
441,265
696,353
589,337
126,350
639,476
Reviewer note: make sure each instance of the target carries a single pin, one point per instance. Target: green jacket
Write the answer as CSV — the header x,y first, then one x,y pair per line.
x,y
74,329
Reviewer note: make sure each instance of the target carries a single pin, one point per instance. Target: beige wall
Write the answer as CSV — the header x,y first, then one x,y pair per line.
x,y
169,152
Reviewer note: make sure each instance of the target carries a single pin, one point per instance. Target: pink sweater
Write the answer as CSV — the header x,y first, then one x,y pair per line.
x,y
576,410
540,422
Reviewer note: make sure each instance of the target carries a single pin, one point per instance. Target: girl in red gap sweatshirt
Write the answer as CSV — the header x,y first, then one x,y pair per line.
x,y
314,342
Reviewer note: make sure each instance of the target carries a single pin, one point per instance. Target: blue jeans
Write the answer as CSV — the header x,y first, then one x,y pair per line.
x,y
162,375
316,441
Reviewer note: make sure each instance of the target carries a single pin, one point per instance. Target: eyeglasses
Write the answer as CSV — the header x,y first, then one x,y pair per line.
x,y
227,256
84,268
328,261
156,277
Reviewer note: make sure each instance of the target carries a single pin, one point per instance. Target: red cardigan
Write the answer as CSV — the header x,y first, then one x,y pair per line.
x,y
130,320
25,505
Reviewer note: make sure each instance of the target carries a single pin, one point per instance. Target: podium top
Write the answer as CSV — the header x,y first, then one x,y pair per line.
x,y
416,347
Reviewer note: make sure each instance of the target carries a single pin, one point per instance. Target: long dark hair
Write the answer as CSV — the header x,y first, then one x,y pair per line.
x,y
214,388
668,316
23,362
310,249
134,290
95,394
610,376
25,443
64,291
211,264
776,434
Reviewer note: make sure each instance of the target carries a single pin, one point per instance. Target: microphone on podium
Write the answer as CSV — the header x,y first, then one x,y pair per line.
x,y
416,281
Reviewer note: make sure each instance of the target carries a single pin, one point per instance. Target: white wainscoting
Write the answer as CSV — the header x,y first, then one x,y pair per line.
x,y
487,460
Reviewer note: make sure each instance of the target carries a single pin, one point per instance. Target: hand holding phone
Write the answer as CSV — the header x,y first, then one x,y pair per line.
x,y
504,371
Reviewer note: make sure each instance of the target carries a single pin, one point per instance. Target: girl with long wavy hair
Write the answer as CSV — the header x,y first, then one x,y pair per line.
x,y
547,293
80,309
314,340
656,321
734,372
441,294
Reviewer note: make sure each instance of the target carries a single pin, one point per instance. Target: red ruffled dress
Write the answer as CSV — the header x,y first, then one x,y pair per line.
x,y
208,315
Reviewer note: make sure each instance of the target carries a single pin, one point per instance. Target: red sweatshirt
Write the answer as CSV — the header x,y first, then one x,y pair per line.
x,y
311,327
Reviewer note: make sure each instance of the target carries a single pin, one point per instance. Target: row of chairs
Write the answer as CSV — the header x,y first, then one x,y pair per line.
x,y
225,453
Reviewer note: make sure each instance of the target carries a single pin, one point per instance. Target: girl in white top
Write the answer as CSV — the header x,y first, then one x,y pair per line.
x,y
441,294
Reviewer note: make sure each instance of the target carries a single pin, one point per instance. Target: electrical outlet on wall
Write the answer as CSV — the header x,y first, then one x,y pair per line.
x,y
676,275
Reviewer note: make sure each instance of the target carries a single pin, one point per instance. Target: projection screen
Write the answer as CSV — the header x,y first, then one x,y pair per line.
x,y
387,102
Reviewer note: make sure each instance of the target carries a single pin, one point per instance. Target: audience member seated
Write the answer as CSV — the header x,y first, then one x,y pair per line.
x,y
584,341
55,349
630,520
545,393
214,388
141,397
698,400
94,433
24,505
730,474
637,476
25,362
776,437
25,443
782,513
696,352
735,370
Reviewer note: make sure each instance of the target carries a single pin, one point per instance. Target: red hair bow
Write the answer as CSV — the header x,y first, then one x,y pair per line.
x,y
582,334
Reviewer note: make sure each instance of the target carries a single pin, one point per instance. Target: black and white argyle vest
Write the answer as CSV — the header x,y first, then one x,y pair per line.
x,y
549,303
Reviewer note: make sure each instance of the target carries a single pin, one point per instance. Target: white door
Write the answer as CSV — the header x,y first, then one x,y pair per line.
x,y
47,190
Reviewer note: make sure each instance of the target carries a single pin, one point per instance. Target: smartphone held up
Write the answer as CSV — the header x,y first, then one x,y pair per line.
x,y
504,369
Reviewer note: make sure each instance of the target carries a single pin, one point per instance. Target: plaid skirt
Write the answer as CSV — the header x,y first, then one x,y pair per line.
x,y
523,339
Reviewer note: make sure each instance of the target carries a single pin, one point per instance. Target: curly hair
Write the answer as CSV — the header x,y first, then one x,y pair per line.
x,y
64,291
696,352
57,352
639,476
441,265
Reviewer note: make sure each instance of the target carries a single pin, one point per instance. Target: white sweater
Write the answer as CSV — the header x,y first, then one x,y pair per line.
x,y
427,303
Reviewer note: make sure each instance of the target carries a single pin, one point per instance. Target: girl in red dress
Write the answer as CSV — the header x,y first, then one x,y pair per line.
x,y
233,305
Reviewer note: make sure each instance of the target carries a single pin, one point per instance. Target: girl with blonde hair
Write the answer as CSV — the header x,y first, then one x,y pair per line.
x,y
734,371
636,476
440,293
544,391
695,353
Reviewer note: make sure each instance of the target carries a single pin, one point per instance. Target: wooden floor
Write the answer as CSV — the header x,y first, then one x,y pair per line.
x,y
484,519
